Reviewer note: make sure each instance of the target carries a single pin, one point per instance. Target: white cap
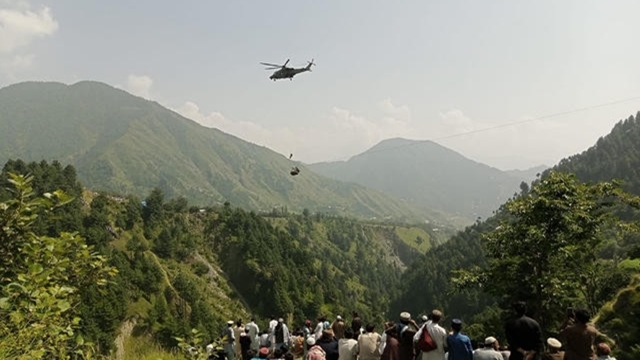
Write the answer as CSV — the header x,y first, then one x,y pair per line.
x,y
490,340
311,340
554,343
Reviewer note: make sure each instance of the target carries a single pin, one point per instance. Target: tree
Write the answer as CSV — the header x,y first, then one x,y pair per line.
x,y
40,279
545,250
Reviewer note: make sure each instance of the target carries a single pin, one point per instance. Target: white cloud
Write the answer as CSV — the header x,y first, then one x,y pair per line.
x,y
344,133
139,85
20,25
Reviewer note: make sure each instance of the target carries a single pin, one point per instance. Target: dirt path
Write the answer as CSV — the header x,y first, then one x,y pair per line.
x,y
125,332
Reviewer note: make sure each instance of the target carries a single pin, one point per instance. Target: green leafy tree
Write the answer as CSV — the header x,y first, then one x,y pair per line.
x,y
545,250
40,278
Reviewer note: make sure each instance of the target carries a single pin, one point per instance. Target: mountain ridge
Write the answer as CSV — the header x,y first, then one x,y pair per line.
x,y
431,175
126,144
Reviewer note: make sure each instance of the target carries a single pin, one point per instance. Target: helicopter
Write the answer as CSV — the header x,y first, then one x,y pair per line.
x,y
285,72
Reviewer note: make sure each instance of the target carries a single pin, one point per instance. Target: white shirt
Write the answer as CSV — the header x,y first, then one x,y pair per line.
x,y
318,330
439,336
347,349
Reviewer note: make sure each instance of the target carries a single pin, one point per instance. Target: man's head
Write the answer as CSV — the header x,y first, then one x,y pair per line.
x,y
339,318
405,317
554,344
603,349
263,353
311,341
520,307
582,316
230,323
370,327
436,315
348,333
456,325
491,342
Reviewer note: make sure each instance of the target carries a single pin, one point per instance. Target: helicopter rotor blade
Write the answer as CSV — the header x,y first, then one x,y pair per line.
x,y
268,64
285,64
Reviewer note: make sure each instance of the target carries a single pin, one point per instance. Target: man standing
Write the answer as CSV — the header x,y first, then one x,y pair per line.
x,y
338,327
272,326
459,345
253,334
579,338
281,335
438,334
347,346
369,344
237,331
230,344
489,351
523,334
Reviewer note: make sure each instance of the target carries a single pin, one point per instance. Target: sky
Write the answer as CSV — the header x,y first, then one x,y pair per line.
x,y
417,69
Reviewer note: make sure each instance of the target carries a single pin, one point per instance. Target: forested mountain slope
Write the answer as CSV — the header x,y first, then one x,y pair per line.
x,y
615,156
125,144
429,175
182,267
427,283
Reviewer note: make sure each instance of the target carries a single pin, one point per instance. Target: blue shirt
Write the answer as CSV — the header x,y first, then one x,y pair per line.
x,y
459,347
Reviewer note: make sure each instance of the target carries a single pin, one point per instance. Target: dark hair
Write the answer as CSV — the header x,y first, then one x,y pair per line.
x,y
348,333
456,327
370,327
288,356
277,353
582,316
251,353
520,307
322,318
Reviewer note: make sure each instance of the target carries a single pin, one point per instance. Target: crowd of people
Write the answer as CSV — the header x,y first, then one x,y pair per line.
x,y
406,339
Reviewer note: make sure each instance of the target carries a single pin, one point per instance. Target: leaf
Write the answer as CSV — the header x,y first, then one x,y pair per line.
x,y
35,268
4,303
63,305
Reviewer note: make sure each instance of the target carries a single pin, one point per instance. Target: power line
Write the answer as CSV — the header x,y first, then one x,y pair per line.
x,y
513,123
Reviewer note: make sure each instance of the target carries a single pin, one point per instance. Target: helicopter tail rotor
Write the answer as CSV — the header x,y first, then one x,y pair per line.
x,y
310,63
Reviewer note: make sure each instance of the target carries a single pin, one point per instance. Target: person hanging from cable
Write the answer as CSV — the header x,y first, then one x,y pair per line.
x,y
294,170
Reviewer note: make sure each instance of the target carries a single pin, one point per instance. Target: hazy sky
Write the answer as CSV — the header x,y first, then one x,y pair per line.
x,y
416,69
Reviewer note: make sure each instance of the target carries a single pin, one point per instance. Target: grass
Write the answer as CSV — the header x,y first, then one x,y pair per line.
x,y
143,348
411,235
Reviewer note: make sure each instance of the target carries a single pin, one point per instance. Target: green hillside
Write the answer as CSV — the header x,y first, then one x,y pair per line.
x,y
428,175
181,267
615,156
124,144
